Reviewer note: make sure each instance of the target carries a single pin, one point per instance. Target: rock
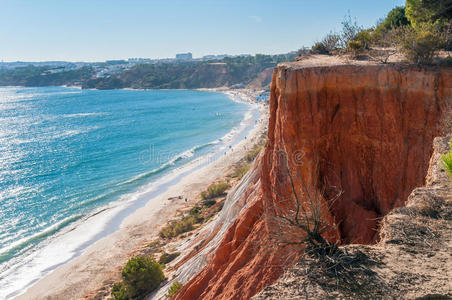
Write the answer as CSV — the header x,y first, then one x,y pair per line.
x,y
366,131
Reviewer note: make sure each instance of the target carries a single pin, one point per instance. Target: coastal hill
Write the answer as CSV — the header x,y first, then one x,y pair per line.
x,y
229,72
355,141
236,71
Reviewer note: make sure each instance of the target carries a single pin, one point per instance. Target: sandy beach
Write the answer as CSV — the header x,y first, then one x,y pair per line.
x,y
101,262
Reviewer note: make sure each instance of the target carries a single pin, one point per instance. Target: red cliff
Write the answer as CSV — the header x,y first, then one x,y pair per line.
x,y
366,130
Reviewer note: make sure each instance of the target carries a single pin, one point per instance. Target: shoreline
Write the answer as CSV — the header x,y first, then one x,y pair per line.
x,y
101,260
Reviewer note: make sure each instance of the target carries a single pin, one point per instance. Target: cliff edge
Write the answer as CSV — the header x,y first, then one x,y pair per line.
x,y
366,130
411,261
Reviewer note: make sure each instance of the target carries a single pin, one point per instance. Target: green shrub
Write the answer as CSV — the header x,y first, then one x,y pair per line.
x,y
215,190
174,288
241,171
319,48
447,160
208,202
175,228
168,257
420,45
387,38
355,47
329,43
350,30
251,155
395,18
195,211
364,37
427,11
140,276
119,291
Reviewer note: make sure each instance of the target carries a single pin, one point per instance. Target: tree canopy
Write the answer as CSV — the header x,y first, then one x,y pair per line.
x,y
396,18
422,11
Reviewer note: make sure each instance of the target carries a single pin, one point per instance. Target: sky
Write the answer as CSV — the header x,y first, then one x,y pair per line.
x,y
98,30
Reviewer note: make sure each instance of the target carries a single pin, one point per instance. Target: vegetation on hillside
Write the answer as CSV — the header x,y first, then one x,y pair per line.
x,y
140,276
428,11
245,164
177,227
166,258
174,288
230,71
42,76
240,171
419,31
215,190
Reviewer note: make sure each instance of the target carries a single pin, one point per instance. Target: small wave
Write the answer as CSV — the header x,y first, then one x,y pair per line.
x,y
67,133
72,132
145,175
188,153
19,141
191,152
184,155
228,136
93,114
16,247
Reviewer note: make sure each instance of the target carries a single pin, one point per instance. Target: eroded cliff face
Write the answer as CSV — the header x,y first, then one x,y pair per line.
x,y
365,131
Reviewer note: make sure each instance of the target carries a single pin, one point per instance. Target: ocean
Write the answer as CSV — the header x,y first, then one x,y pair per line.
x,y
67,154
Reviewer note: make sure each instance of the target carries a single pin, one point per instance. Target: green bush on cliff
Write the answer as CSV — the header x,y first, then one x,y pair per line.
x,y
241,171
329,43
350,30
425,11
386,32
168,257
174,288
140,276
250,156
175,228
215,190
420,44
355,47
119,291
395,18
364,37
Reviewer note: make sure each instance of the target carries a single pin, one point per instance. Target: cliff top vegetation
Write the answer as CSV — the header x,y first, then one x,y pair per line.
x,y
420,33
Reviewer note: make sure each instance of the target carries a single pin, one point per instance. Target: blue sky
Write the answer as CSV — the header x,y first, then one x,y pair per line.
x,y
96,30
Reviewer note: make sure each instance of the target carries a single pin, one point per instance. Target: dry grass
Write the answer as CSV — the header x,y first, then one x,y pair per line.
x,y
411,261
345,275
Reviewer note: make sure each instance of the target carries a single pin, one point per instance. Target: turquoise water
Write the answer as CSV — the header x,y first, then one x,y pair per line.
x,y
66,153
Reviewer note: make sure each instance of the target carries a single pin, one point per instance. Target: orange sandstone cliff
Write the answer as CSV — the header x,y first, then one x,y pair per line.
x,y
366,130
